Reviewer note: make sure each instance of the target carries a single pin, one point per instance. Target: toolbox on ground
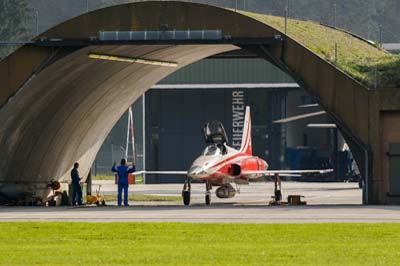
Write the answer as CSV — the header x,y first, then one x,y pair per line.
x,y
296,200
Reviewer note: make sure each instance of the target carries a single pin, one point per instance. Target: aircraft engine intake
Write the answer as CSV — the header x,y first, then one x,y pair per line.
x,y
226,191
235,170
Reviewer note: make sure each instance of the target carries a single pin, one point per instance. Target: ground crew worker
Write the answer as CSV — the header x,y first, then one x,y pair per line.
x,y
76,186
122,175
278,186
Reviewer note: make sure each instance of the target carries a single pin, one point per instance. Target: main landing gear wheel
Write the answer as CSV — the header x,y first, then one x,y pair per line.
x,y
186,197
186,192
208,199
208,193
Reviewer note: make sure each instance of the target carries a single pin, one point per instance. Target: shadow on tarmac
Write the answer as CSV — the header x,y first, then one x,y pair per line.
x,y
194,206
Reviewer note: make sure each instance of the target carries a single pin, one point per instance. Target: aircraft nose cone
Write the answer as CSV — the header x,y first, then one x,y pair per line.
x,y
194,171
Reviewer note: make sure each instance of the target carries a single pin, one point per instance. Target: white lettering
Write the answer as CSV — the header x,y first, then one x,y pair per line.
x,y
238,94
238,108
236,143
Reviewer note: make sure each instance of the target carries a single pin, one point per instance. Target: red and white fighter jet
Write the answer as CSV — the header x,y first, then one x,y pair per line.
x,y
220,165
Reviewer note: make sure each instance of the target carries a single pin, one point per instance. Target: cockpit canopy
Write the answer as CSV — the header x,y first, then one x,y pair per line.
x,y
212,150
214,133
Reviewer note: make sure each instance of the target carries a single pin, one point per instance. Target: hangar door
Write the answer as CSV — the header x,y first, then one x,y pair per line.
x,y
174,120
394,169
390,128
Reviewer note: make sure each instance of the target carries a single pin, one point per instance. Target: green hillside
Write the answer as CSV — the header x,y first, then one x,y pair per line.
x,y
366,18
357,58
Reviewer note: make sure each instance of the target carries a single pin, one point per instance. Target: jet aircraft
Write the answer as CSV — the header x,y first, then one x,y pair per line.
x,y
221,165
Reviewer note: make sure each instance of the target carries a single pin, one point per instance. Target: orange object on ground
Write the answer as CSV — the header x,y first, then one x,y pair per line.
x,y
131,179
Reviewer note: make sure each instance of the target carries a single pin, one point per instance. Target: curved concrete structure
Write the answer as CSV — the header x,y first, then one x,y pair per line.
x,y
58,105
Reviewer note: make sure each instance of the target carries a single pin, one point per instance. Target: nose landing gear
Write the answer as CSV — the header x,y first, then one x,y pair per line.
x,y
186,192
208,192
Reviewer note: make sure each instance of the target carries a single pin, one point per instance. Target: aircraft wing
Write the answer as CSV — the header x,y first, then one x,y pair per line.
x,y
160,172
287,172
293,175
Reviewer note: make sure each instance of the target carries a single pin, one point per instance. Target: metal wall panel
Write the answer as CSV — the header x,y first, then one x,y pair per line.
x,y
394,170
390,155
176,138
228,71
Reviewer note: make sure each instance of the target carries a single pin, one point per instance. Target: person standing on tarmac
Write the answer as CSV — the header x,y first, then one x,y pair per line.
x,y
76,186
122,174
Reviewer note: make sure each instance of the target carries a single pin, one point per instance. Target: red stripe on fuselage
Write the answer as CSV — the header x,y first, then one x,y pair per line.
x,y
228,159
247,137
236,156
221,173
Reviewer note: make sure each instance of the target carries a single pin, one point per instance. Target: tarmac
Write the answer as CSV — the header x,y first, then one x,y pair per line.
x,y
326,203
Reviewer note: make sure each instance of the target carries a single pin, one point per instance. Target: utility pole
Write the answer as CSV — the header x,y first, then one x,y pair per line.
x,y
334,15
87,6
144,135
287,7
36,21
286,15
236,5
336,53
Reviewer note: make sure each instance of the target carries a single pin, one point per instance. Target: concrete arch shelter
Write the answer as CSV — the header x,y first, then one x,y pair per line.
x,y
61,94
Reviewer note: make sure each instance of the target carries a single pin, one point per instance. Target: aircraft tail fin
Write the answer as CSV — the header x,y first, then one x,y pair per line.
x,y
246,139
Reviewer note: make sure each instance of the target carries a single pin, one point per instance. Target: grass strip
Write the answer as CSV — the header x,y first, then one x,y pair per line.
x,y
30,243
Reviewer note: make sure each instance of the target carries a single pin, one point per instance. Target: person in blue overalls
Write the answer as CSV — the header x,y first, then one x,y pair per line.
x,y
76,186
122,173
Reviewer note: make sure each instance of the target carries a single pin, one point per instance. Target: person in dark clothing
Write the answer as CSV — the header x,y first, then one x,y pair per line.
x,y
278,186
76,186
122,173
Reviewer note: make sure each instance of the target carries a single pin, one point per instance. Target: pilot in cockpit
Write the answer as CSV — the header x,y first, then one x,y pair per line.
x,y
215,134
215,149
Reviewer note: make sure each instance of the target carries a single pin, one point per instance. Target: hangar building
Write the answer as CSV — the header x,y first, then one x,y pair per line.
x,y
219,89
